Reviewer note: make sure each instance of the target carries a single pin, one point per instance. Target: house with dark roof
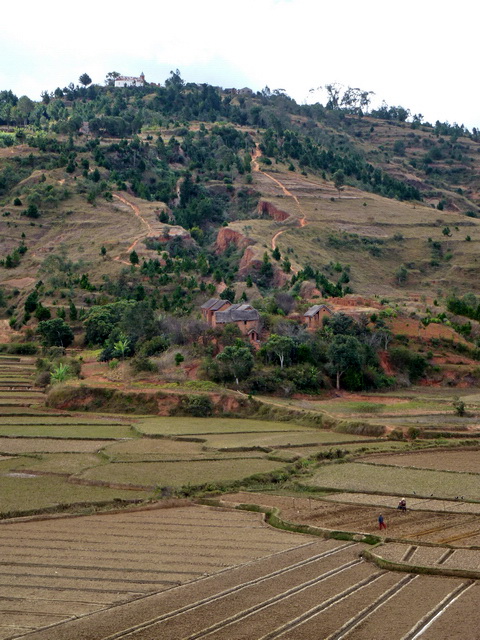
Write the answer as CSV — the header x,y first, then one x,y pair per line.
x,y
210,307
244,316
313,317
219,313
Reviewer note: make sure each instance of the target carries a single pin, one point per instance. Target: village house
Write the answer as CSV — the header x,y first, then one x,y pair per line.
x,y
218,313
209,308
130,81
314,316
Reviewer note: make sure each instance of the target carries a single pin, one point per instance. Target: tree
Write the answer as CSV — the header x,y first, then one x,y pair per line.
x,y
179,358
103,252
73,311
31,302
339,180
55,333
235,361
134,258
25,107
343,353
42,313
111,77
85,79
401,274
280,346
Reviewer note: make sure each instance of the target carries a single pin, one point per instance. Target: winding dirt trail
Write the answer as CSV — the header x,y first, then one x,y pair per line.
x,y
303,218
148,227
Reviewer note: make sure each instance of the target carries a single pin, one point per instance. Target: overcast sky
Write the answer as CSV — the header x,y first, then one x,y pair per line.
x,y
420,54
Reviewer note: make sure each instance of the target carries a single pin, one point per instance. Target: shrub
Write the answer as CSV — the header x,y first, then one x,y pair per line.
x,y
459,407
22,348
413,433
141,363
396,434
409,361
197,406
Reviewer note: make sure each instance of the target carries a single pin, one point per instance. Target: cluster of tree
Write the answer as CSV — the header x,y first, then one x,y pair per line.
x,y
285,145
468,306
343,354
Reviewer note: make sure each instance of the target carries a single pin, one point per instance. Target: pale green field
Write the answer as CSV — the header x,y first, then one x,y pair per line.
x,y
23,494
232,440
163,449
378,407
178,474
354,476
67,463
15,410
52,420
48,445
201,426
68,431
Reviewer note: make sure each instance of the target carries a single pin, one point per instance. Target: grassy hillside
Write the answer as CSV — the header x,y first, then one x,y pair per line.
x,y
165,196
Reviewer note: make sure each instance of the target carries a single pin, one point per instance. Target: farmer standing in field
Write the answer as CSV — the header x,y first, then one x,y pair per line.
x,y
381,522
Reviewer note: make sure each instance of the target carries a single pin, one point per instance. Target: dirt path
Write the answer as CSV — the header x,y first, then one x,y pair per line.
x,y
303,218
145,223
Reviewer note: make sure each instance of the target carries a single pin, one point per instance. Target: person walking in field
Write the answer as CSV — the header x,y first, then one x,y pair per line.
x,y
381,522
402,505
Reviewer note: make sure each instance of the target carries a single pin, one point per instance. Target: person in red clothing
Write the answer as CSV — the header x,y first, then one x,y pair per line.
x,y
381,522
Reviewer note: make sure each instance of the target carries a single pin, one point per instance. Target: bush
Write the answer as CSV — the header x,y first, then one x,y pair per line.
x,y
156,345
405,360
396,434
197,406
413,433
43,379
22,348
141,363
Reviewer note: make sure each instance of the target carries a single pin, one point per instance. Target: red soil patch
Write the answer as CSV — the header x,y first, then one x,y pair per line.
x,y
415,329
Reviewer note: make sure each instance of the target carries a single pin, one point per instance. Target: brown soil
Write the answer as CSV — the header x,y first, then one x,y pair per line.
x,y
89,563
413,525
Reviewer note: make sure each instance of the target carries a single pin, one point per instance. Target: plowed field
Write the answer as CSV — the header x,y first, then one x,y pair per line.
x,y
54,570
301,589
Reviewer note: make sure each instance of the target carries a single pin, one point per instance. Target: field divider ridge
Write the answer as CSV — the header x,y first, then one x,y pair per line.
x,y
241,615
435,570
423,624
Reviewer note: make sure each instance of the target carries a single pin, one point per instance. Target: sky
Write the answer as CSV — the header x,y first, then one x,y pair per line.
x,y
420,54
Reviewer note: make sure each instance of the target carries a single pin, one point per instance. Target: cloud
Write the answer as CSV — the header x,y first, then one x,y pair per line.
x,y
409,54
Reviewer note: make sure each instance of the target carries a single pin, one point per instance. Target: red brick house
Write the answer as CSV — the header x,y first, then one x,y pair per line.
x,y
314,316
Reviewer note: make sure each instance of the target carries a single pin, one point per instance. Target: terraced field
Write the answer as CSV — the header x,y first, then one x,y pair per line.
x,y
60,569
191,572
296,587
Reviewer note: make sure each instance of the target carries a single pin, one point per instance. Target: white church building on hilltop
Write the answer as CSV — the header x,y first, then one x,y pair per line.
x,y
130,81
